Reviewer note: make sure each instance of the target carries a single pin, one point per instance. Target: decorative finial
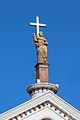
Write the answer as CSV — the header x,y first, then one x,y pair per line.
x,y
42,83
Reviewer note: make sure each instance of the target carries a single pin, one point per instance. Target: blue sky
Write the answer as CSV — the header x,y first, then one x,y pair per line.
x,y
16,48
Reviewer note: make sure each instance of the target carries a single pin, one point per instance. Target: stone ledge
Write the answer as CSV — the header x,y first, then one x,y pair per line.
x,y
39,88
41,65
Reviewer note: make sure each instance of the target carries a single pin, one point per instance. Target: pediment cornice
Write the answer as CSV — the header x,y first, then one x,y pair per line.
x,y
46,100
46,104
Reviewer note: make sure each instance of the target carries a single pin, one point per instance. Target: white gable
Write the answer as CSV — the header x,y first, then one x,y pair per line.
x,y
39,106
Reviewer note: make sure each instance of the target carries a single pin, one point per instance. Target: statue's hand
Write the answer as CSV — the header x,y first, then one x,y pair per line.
x,y
33,34
34,37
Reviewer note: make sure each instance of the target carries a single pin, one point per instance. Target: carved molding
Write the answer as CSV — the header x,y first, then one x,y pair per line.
x,y
41,106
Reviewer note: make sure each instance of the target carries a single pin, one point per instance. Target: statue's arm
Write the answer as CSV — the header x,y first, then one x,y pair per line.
x,y
37,45
45,42
34,38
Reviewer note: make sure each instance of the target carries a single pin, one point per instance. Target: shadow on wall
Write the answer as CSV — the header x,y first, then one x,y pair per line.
x,y
46,119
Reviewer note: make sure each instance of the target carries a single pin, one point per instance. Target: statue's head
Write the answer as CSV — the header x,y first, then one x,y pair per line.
x,y
40,33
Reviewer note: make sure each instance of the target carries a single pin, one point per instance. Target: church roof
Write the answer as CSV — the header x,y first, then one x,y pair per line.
x,y
49,100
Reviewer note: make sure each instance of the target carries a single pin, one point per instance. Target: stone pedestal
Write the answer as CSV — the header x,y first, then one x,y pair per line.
x,y
38,89
42,72
42,84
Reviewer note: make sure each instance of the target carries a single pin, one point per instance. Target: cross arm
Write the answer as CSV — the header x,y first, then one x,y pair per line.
x,y
42,25
32,24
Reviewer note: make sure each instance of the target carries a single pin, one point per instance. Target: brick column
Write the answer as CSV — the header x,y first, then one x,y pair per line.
x,y
42,72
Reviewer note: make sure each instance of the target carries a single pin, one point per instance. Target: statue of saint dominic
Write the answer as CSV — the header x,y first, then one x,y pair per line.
x,y
41,47
40,42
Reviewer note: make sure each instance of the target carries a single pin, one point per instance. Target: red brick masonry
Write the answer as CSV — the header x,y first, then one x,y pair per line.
x,y
42,72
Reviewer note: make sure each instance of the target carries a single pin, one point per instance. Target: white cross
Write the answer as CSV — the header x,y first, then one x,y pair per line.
x,y
37,24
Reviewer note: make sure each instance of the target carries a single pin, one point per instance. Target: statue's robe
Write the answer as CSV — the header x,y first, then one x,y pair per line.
x,y
41,46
